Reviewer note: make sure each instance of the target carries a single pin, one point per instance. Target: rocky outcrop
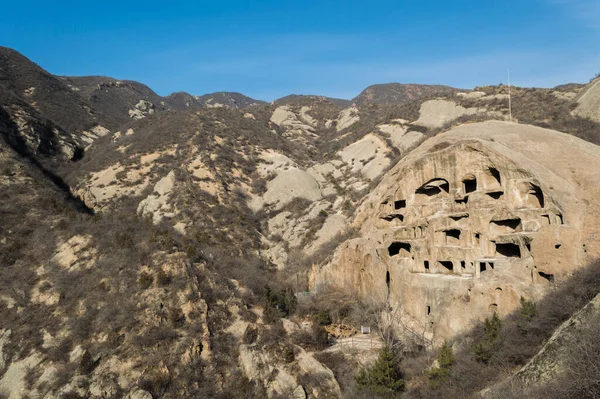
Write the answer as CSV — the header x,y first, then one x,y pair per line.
x,y
551,360
141,109
436,113
470,221
297,125
157,204
367,156
290,184
588,101
347,118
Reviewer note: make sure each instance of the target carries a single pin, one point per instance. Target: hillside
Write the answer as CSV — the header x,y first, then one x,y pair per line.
x,y
220,246
393,93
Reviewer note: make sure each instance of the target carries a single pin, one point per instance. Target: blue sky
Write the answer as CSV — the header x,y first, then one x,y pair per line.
x,y
268,49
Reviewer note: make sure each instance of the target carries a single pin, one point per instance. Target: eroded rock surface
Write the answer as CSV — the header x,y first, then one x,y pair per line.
x,y
470,221
588,101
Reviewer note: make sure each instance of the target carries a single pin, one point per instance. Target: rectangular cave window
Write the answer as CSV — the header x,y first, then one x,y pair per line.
x,y
482,266
463,265
400,204
399,248
426,264
470,185
452,237
509,250
428,310
447,264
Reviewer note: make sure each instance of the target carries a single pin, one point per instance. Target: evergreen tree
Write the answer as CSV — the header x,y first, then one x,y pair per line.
x,y
384,377
491,340
445,360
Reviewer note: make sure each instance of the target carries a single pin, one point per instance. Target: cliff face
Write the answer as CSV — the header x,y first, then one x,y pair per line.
x,y
471,221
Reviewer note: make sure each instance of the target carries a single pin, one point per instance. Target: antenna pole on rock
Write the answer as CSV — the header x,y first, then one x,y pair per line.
x,y
509,102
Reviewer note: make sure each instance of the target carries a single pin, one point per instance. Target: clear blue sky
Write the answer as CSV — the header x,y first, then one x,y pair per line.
x,y
268,49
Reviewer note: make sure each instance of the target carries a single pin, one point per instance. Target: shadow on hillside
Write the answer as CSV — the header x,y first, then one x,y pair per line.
x,y
484,358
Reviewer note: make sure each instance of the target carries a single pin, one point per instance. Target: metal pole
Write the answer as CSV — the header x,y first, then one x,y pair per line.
x,y
509,100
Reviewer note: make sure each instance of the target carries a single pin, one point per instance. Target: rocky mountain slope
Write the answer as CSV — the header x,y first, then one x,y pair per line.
x,y
393,93
588,101
166,246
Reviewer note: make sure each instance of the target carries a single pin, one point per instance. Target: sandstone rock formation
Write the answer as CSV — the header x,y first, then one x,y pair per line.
x,y
436,113
347,118
469,222
588,101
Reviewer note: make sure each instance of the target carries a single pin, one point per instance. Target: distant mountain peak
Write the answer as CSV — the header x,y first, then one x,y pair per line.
x,y
391,93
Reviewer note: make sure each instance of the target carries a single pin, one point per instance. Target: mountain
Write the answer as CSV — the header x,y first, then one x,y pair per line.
x,y
220,246
227,99
391,93
299,99
116,100
21,78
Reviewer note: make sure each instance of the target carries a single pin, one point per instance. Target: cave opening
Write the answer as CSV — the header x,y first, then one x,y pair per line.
x,y
495,173
447,264
495,194
470,184
399,204
434,187
452,236
505,226
549,277
484,266
426,264
532,195
394,216
399,248
509,250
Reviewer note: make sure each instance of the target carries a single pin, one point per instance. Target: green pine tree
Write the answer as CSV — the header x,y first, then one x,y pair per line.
x,y
445,360
491,341
384,377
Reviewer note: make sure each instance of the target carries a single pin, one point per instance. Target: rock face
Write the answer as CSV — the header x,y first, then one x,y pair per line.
x,y
291,184
588,101
436,113
469,222
367,155
347,118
